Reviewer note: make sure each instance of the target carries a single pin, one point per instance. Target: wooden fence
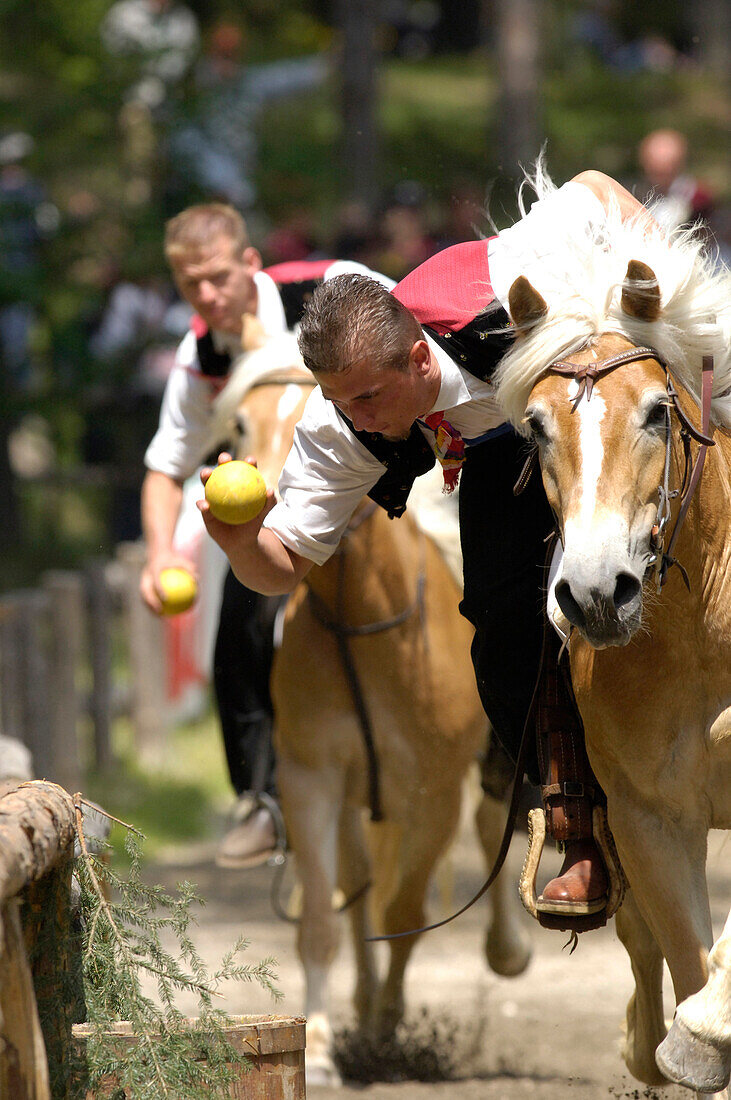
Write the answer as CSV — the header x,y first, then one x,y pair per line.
x,y
41,984
75,653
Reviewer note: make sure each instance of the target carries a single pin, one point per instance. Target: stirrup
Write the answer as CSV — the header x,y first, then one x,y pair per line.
x,y
262,799
569,921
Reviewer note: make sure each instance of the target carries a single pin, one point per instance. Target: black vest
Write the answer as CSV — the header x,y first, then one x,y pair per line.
x,y
478,348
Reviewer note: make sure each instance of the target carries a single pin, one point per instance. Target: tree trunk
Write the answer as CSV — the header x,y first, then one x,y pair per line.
x,y
520,125
357,21
710,21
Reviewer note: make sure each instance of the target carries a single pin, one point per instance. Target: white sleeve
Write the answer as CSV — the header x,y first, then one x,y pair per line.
x,y
181,441
327,473
529,247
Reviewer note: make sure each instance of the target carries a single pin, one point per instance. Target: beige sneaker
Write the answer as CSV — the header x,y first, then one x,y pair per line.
x,y
249,843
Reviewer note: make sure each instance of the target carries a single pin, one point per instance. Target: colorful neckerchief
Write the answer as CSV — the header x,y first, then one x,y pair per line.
x,y
448,447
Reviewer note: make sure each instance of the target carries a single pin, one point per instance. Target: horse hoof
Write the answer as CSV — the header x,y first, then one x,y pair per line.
x,y
688,1060
321,1073
508,958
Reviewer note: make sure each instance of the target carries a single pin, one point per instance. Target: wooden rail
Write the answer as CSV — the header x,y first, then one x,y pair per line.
x,y
37,832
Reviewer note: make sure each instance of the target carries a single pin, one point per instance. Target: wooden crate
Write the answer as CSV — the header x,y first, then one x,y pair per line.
x,y
274,1046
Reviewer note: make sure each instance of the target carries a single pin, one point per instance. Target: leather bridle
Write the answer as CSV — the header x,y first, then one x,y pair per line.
x,y
661,559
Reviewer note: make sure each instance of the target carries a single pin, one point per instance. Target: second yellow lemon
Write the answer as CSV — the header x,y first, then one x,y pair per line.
x,y
236,492
179,590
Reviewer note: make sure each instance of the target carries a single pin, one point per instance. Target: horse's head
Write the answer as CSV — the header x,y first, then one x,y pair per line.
x,y
601,432
263,400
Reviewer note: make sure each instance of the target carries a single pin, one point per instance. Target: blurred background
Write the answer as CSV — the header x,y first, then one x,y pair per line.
x,y
378,130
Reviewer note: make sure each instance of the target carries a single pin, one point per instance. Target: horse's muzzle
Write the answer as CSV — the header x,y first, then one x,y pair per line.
x,y
607,613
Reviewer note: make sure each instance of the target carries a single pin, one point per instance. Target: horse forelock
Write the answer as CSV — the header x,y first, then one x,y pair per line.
x,y
695,320
279,353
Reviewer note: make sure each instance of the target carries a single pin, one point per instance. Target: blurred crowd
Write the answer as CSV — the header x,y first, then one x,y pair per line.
x,y
192,103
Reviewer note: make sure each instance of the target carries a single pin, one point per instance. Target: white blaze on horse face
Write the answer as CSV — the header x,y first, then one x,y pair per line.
x,y
591,413
592,529
286,405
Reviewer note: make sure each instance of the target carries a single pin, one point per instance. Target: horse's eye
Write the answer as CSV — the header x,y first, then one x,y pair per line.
x,y
657,416
535,425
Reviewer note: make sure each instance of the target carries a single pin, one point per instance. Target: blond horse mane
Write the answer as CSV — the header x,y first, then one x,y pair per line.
x,y
278,353
695,319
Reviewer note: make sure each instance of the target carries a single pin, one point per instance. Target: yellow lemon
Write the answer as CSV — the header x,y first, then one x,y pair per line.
x,y
236,492
179,590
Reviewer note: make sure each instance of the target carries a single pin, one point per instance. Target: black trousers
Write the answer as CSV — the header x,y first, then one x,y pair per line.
x,y
503,545
242,665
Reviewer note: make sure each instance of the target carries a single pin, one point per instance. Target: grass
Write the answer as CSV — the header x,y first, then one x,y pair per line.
x,y
181,800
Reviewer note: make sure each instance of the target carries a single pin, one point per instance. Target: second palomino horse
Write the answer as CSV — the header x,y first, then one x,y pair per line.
x,y
606,380
389,592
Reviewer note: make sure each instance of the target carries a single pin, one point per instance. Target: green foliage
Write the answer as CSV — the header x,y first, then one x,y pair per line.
x,y
123,940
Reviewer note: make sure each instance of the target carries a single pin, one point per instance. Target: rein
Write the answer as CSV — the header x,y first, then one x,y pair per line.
x,y
342,632
586,375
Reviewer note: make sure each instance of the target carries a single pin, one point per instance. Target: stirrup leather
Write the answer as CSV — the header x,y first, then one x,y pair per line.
x,y
615,874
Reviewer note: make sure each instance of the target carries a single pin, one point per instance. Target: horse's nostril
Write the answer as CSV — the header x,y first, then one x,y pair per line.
x,y
568,604
626,589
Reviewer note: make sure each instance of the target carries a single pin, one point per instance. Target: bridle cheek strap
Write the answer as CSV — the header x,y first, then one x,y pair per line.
x,y
586,376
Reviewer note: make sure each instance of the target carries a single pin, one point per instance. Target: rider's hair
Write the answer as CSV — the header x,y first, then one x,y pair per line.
x,y
197,226
353,318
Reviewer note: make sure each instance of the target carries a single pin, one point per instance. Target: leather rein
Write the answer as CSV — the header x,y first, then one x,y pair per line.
x,y
661,559
343,632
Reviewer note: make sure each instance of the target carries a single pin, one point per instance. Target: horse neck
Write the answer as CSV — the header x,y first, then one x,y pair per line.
x,y
374,573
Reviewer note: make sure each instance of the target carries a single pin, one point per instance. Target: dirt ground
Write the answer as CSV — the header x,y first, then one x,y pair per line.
x,y
552,1033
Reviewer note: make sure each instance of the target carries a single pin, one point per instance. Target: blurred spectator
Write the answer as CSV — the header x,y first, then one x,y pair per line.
x,y
678,198
355,235
602,28
135,342
405,239
465,217
216,147
294,238
26,217
162,35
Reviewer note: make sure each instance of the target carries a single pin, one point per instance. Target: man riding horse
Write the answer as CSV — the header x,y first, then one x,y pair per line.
x,y
405,376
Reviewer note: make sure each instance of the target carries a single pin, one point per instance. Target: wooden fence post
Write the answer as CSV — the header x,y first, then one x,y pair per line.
x,y
100,609
12,719
26,687
146,661
66,613
37,830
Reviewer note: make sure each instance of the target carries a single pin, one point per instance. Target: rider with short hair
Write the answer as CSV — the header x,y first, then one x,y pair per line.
x,y
407,376
220,274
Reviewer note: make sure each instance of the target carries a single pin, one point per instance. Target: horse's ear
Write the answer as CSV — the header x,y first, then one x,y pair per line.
x,y
641,292
526,304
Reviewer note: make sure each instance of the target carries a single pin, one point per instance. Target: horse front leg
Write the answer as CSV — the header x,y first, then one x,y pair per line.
x,y
354,876
311,804
508,946
423,841
665,866
645,1019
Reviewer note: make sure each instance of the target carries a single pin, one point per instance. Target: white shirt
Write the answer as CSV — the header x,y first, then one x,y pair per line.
x,y
182,441
328,471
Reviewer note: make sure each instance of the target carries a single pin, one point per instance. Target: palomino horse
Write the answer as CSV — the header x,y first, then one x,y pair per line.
x,y
389,585
651,665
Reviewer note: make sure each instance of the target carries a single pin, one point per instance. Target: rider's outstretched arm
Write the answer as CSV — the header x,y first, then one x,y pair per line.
x,y
609,192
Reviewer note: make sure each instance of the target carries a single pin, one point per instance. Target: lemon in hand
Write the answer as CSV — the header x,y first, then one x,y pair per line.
x,y
236,492
179,590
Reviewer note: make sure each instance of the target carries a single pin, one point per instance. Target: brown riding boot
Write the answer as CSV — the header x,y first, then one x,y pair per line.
x,y
570,791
